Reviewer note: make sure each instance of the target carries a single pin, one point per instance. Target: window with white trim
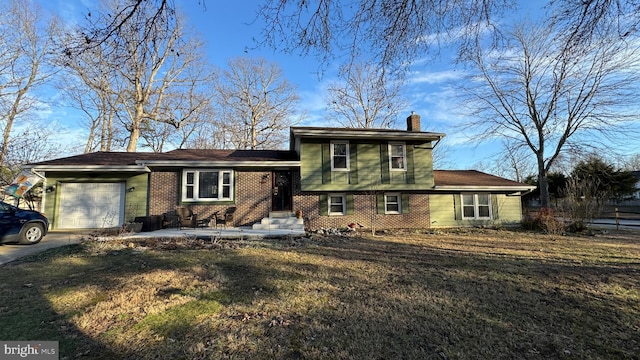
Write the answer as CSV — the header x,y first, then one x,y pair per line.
x,y
339,155
337,204
397,157
207,185
476,206
392,203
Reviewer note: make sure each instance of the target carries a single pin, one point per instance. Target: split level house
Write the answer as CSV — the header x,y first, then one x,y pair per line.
x,y
331,176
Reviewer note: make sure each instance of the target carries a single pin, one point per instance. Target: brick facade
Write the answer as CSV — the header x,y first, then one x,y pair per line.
x,y
253,202
365,213
163,192
252,196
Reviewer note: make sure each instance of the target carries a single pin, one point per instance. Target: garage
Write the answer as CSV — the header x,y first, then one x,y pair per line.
x,y
91,205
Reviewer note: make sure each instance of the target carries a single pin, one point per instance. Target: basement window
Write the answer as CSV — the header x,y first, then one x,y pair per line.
x,y
392,203
337,204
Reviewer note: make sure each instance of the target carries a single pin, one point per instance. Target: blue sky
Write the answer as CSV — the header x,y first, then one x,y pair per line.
x,y
228,29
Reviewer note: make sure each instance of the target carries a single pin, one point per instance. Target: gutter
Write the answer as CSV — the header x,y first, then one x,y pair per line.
x,y
218,164
77,168
526,189
366,134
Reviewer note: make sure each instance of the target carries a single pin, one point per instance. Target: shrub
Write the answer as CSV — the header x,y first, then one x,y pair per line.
x,y
545,220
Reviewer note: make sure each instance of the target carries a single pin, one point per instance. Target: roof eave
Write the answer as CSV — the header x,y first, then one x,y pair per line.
x,y
364,134
220,163
91,168
483,188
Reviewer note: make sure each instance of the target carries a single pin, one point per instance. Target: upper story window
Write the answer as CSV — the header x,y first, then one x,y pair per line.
x,y
207,185
397,156
340,155
476,206
392,203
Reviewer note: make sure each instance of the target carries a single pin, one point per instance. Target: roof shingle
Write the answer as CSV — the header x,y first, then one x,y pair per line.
x,y
470,178
130,158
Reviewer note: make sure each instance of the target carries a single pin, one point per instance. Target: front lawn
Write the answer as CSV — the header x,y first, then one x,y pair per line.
x,y
467,294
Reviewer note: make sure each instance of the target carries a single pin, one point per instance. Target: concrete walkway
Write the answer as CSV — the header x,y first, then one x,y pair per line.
x,y
219,233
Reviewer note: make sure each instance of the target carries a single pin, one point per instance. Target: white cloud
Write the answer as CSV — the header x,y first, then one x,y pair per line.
x,y
436,77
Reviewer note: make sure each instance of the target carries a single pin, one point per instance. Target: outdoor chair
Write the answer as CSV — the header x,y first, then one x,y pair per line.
x,y
226,218
206,222
186,217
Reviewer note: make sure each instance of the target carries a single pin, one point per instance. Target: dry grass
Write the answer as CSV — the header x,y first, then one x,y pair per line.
x,y
466,294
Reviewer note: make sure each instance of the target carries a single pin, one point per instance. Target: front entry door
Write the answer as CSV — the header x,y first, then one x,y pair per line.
x,y
281,191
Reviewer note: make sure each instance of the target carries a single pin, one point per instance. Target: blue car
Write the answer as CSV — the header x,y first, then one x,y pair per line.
x,y
21,226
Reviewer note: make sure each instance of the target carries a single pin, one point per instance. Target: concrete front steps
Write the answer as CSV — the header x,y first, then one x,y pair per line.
x,y
280,220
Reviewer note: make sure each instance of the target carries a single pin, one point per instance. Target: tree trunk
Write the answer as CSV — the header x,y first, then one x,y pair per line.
x,y
133,139
543,184
10,120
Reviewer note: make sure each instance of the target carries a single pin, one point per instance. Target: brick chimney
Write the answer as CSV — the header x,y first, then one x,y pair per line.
x,y
413,122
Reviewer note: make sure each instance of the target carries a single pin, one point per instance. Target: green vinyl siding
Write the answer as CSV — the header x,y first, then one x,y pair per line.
x,y
421,159
410,174
326,163
368,169
353,160
445,210
384,164
135,203
368,159
311,161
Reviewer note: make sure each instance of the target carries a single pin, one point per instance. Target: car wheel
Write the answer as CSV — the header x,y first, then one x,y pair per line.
x,y
31,234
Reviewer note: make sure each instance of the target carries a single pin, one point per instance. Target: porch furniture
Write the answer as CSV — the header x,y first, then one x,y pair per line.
x,y
169,220
206,221
151,222
186,217
225,218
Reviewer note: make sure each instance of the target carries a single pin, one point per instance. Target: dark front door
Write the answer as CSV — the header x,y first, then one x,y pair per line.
x,y
281,191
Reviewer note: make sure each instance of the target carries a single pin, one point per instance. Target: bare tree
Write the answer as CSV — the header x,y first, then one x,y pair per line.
x,y
210,133
393,32
154,67
581,20
91,86
257,104
546,99
185,106
366,98
158,16
34,143
26,48
632,163
512,161
441,155
143,78
583,201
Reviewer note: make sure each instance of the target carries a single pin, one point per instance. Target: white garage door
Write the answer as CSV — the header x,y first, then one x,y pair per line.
x,y
91,205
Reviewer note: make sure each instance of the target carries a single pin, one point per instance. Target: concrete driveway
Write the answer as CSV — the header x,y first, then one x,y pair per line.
x,y
11,252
